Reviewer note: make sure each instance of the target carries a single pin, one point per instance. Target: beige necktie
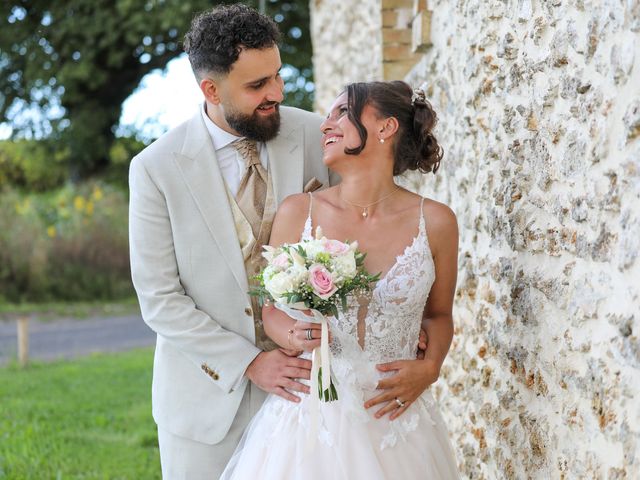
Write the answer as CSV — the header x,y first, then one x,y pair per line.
x,y
253,185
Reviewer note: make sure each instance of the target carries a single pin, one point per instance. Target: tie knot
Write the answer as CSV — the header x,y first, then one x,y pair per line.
x,y
248,150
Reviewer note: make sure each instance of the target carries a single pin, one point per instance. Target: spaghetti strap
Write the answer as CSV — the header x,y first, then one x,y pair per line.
x,y
308,227
421,224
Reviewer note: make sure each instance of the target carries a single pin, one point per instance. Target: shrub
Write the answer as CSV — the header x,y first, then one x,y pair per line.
x,y
68,244
32,165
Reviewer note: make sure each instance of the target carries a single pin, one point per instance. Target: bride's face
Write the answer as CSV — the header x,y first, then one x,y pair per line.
x,y
339,133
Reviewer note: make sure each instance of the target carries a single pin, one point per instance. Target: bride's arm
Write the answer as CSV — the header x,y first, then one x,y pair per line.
x,y
437,318
414,376
288,225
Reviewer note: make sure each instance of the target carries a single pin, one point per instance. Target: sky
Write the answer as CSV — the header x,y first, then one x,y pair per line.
x,y
161,101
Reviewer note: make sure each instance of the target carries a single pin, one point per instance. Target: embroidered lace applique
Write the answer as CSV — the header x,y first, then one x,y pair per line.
x,y
383,328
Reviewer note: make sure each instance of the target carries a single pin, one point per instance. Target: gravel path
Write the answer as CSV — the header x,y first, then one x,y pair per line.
x,y
70,338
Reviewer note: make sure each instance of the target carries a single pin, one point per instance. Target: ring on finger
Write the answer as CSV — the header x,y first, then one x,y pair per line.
x,y
400,403
309,334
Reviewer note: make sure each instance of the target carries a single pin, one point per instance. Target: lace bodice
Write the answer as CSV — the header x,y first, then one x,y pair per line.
x,y
342,439
385,327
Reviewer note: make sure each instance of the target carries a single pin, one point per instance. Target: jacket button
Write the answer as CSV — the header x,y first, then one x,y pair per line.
x,y
215,376
248,312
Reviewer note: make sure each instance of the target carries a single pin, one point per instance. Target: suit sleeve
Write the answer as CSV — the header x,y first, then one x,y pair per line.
x,y
222,354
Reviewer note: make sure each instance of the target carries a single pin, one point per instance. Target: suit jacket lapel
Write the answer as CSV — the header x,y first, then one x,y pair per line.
x,y
199,166
286,161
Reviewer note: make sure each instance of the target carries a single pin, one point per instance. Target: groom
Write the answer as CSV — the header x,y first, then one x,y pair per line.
x,y
203,197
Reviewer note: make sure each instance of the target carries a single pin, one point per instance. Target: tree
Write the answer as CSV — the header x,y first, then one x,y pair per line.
x,y
76,61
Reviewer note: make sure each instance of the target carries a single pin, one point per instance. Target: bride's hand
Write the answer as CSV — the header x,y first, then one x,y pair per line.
x,y
411,379
299,334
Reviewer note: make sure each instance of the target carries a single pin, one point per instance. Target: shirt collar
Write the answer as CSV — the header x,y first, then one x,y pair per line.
x,y
219,137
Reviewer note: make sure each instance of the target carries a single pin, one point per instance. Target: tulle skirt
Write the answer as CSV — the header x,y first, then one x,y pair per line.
x,y
349,442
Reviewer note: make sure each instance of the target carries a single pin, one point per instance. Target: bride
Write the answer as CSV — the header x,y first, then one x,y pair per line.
x,y
386,423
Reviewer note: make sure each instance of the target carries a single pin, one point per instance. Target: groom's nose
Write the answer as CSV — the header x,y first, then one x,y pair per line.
x,y
275,92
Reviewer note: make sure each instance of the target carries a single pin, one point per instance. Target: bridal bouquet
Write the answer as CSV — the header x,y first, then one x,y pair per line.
x,y
316,275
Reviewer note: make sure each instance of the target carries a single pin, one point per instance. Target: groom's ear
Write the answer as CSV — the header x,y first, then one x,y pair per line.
x,y
210,90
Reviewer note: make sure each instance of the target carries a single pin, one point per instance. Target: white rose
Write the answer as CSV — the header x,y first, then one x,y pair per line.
x,y
278,285
345,265
313,248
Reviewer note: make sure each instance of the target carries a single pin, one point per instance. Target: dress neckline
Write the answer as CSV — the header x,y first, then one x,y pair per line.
x,y
307,234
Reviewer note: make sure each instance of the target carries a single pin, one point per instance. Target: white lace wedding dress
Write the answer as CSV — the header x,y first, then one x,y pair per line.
x,y
351,444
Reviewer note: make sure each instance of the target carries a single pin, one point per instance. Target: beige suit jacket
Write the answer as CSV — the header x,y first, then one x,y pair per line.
x,y
188,271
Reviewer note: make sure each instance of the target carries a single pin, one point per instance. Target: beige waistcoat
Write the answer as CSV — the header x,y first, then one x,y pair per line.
x,y
252,254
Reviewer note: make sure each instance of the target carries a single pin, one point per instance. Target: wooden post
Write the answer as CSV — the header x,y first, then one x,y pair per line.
x,y
23,341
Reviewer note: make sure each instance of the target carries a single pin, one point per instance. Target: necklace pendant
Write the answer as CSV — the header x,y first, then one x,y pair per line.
x,y
365,213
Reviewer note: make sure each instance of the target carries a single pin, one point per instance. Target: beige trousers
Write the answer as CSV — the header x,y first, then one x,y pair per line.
x,y
185,459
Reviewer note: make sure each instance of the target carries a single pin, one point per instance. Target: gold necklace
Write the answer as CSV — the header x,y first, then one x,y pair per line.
x,y
365,208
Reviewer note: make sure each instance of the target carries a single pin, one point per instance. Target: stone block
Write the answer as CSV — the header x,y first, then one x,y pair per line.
x,y
397,70
421,32
394,4
396,36
389,19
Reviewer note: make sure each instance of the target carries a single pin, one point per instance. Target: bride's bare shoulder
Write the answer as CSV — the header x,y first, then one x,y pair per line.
x,y
290,218
441,222
438,212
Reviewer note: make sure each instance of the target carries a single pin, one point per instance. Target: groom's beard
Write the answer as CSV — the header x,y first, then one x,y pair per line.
x,y
255,126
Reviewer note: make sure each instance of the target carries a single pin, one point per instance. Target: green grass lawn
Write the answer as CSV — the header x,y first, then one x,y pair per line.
x,y
84,419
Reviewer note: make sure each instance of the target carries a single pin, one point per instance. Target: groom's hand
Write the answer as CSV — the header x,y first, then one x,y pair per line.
x,y
276,372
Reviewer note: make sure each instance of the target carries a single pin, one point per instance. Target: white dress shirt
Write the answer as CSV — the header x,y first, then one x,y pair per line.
x,y
232,165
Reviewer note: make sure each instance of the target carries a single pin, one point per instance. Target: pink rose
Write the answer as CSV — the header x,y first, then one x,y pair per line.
x,y
281,261
335,247
321,281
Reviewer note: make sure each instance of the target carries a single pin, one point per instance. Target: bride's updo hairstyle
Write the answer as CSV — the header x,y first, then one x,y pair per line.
x,y
415,147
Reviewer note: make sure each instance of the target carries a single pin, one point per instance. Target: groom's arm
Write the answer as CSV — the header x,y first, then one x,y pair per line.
x,y
222,354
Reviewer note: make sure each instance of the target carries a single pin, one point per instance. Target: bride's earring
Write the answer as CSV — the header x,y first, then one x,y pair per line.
x,y
381,140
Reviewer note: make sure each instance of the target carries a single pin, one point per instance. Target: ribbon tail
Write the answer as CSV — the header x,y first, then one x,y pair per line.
x,y
325,356
314,404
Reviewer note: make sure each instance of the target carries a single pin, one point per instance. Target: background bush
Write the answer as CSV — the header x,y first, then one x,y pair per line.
x,y
33,165
65,244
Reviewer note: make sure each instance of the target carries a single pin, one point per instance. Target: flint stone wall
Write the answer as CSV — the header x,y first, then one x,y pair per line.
x,y
539,106
347,46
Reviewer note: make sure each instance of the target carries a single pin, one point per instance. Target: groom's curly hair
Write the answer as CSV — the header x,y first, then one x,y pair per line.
x,y
217,37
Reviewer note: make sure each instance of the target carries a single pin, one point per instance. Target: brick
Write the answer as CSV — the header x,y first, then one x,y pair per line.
x,y
389,18
419,6
396,35
398,70
393,4
392,53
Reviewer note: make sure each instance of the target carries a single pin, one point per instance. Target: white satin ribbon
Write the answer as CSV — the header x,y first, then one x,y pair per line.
x,y
320,357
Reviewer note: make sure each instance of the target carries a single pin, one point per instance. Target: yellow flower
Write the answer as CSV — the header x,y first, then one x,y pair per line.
x,y
22,208
97,194
89,208
51,231
79,202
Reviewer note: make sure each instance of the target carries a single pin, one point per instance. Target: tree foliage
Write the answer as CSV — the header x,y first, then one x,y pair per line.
x,y
74,62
